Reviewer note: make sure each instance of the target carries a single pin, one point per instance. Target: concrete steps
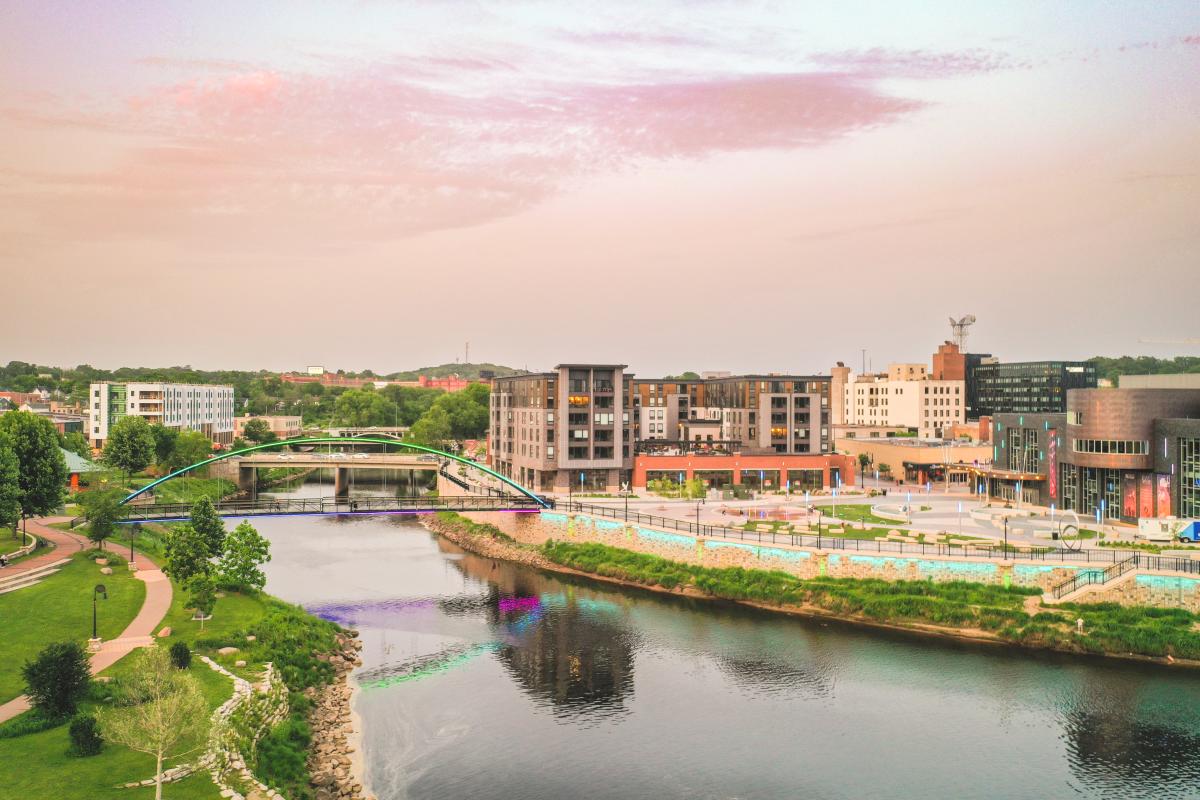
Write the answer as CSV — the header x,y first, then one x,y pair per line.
x,y
31,577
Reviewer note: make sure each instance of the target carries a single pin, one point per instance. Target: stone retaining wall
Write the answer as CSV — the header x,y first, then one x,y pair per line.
x,y
804,563
1164,591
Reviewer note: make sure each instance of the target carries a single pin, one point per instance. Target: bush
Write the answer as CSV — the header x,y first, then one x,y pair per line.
x,y
282,756
27,723
181,656
57,679
85,736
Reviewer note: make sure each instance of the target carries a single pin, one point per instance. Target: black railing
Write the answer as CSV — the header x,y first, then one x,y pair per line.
x,y
340,505
1095,576
457,481
1099,556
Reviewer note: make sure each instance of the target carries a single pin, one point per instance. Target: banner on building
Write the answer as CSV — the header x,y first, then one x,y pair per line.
x,y
1164,495
1129,503
1146,499
1052,468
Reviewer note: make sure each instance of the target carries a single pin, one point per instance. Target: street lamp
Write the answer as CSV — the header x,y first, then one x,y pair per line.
x,y
99,590
1005,538
908,508
134,530
699,503
818,529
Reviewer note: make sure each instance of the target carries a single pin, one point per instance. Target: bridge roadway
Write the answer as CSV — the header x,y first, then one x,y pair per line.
x,y
169,512
341,463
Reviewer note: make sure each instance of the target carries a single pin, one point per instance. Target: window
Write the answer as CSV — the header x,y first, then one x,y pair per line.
x,y
1111,447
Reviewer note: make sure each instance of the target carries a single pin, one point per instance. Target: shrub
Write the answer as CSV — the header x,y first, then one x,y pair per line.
x,y
282,755
57,679
27,723
85,736
181,656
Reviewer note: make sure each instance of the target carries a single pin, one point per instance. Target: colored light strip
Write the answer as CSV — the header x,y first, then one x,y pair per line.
x,y
326,514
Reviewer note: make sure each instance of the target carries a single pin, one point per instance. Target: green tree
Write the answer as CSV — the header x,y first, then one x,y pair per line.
x,y
187,554
10,485
432,430
209,526
57,679
412,401
202,594
42,471
130,445
103,510
164,444
468,411
363,408
258,431
191,447
77,443
245,552
164,716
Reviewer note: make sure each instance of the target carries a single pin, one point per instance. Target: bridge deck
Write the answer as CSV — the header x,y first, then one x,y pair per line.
x,y
344,461
167,512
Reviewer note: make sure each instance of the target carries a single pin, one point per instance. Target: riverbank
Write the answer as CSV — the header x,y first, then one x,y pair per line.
x,y
960,610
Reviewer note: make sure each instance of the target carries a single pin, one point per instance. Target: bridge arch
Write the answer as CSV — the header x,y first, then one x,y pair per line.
x,y
361,439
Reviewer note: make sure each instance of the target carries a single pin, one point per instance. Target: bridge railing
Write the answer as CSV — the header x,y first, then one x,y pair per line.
x,y
1098,556
331,505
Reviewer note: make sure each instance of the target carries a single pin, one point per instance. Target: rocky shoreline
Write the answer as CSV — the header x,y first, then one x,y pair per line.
x,y
334,760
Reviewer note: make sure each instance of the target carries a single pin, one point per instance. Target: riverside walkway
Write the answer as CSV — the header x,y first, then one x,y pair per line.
x,y
138,633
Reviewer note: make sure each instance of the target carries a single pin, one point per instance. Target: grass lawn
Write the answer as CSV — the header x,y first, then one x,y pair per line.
x,y
47,770
58,608
858,512
8,543
844,532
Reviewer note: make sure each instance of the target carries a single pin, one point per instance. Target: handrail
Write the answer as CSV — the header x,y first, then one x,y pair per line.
x,y
822,542
1092,576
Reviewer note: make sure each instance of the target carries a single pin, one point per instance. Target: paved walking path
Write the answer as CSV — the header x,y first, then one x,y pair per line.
x,y
65,545
139,632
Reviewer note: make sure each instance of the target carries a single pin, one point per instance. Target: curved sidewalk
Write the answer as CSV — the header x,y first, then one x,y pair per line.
x,y
65,546
138,633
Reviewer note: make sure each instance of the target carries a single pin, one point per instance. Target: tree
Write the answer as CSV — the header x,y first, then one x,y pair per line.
x,y
10,485
181,655
245,551
187,554
168,718
77,443
362,408
258,431
164,444
57,679
103,510
191,447
42,471
202,595
130,445
432,430
209,526
85,736
412,401
468,411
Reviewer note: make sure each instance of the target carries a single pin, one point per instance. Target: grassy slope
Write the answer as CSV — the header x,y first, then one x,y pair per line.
x,y
58,608
49,772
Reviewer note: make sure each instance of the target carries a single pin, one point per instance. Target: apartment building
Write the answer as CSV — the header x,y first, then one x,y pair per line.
x,y
184,406
906,397
571,428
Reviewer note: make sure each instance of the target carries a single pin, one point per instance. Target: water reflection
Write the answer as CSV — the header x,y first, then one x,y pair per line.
x,y
488,680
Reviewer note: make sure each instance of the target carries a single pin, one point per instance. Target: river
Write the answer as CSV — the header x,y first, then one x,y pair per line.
x,y
488,680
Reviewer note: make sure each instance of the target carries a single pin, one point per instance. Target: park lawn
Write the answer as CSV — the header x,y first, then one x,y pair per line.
x,y
858,512
8,542
47,770
867,534
59,608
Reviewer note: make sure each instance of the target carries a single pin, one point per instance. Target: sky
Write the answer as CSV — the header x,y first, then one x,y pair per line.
x,y
703,185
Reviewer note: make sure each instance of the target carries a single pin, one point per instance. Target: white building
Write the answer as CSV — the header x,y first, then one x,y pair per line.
x,y
905,396
183,406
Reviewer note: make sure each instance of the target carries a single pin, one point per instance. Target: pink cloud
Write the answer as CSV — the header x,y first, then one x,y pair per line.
x,y
881,62
375,154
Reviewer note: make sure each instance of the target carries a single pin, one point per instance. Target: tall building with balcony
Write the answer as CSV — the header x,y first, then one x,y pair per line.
x,y
182,406
570,429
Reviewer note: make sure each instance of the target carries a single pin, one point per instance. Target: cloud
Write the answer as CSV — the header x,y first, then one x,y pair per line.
x,y
383,150
882,62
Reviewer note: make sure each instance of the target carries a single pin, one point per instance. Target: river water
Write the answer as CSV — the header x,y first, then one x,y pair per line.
x,y
487,680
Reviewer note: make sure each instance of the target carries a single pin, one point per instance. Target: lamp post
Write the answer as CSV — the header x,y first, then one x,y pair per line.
x,y
908,507
818,529
699,503
960,519
100,591
134,529
1005,538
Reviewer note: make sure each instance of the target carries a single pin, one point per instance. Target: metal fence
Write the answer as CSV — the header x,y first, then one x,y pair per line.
x,y
821,542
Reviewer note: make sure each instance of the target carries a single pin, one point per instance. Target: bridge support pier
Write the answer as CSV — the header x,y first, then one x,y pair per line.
x,y
247,479
341,482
